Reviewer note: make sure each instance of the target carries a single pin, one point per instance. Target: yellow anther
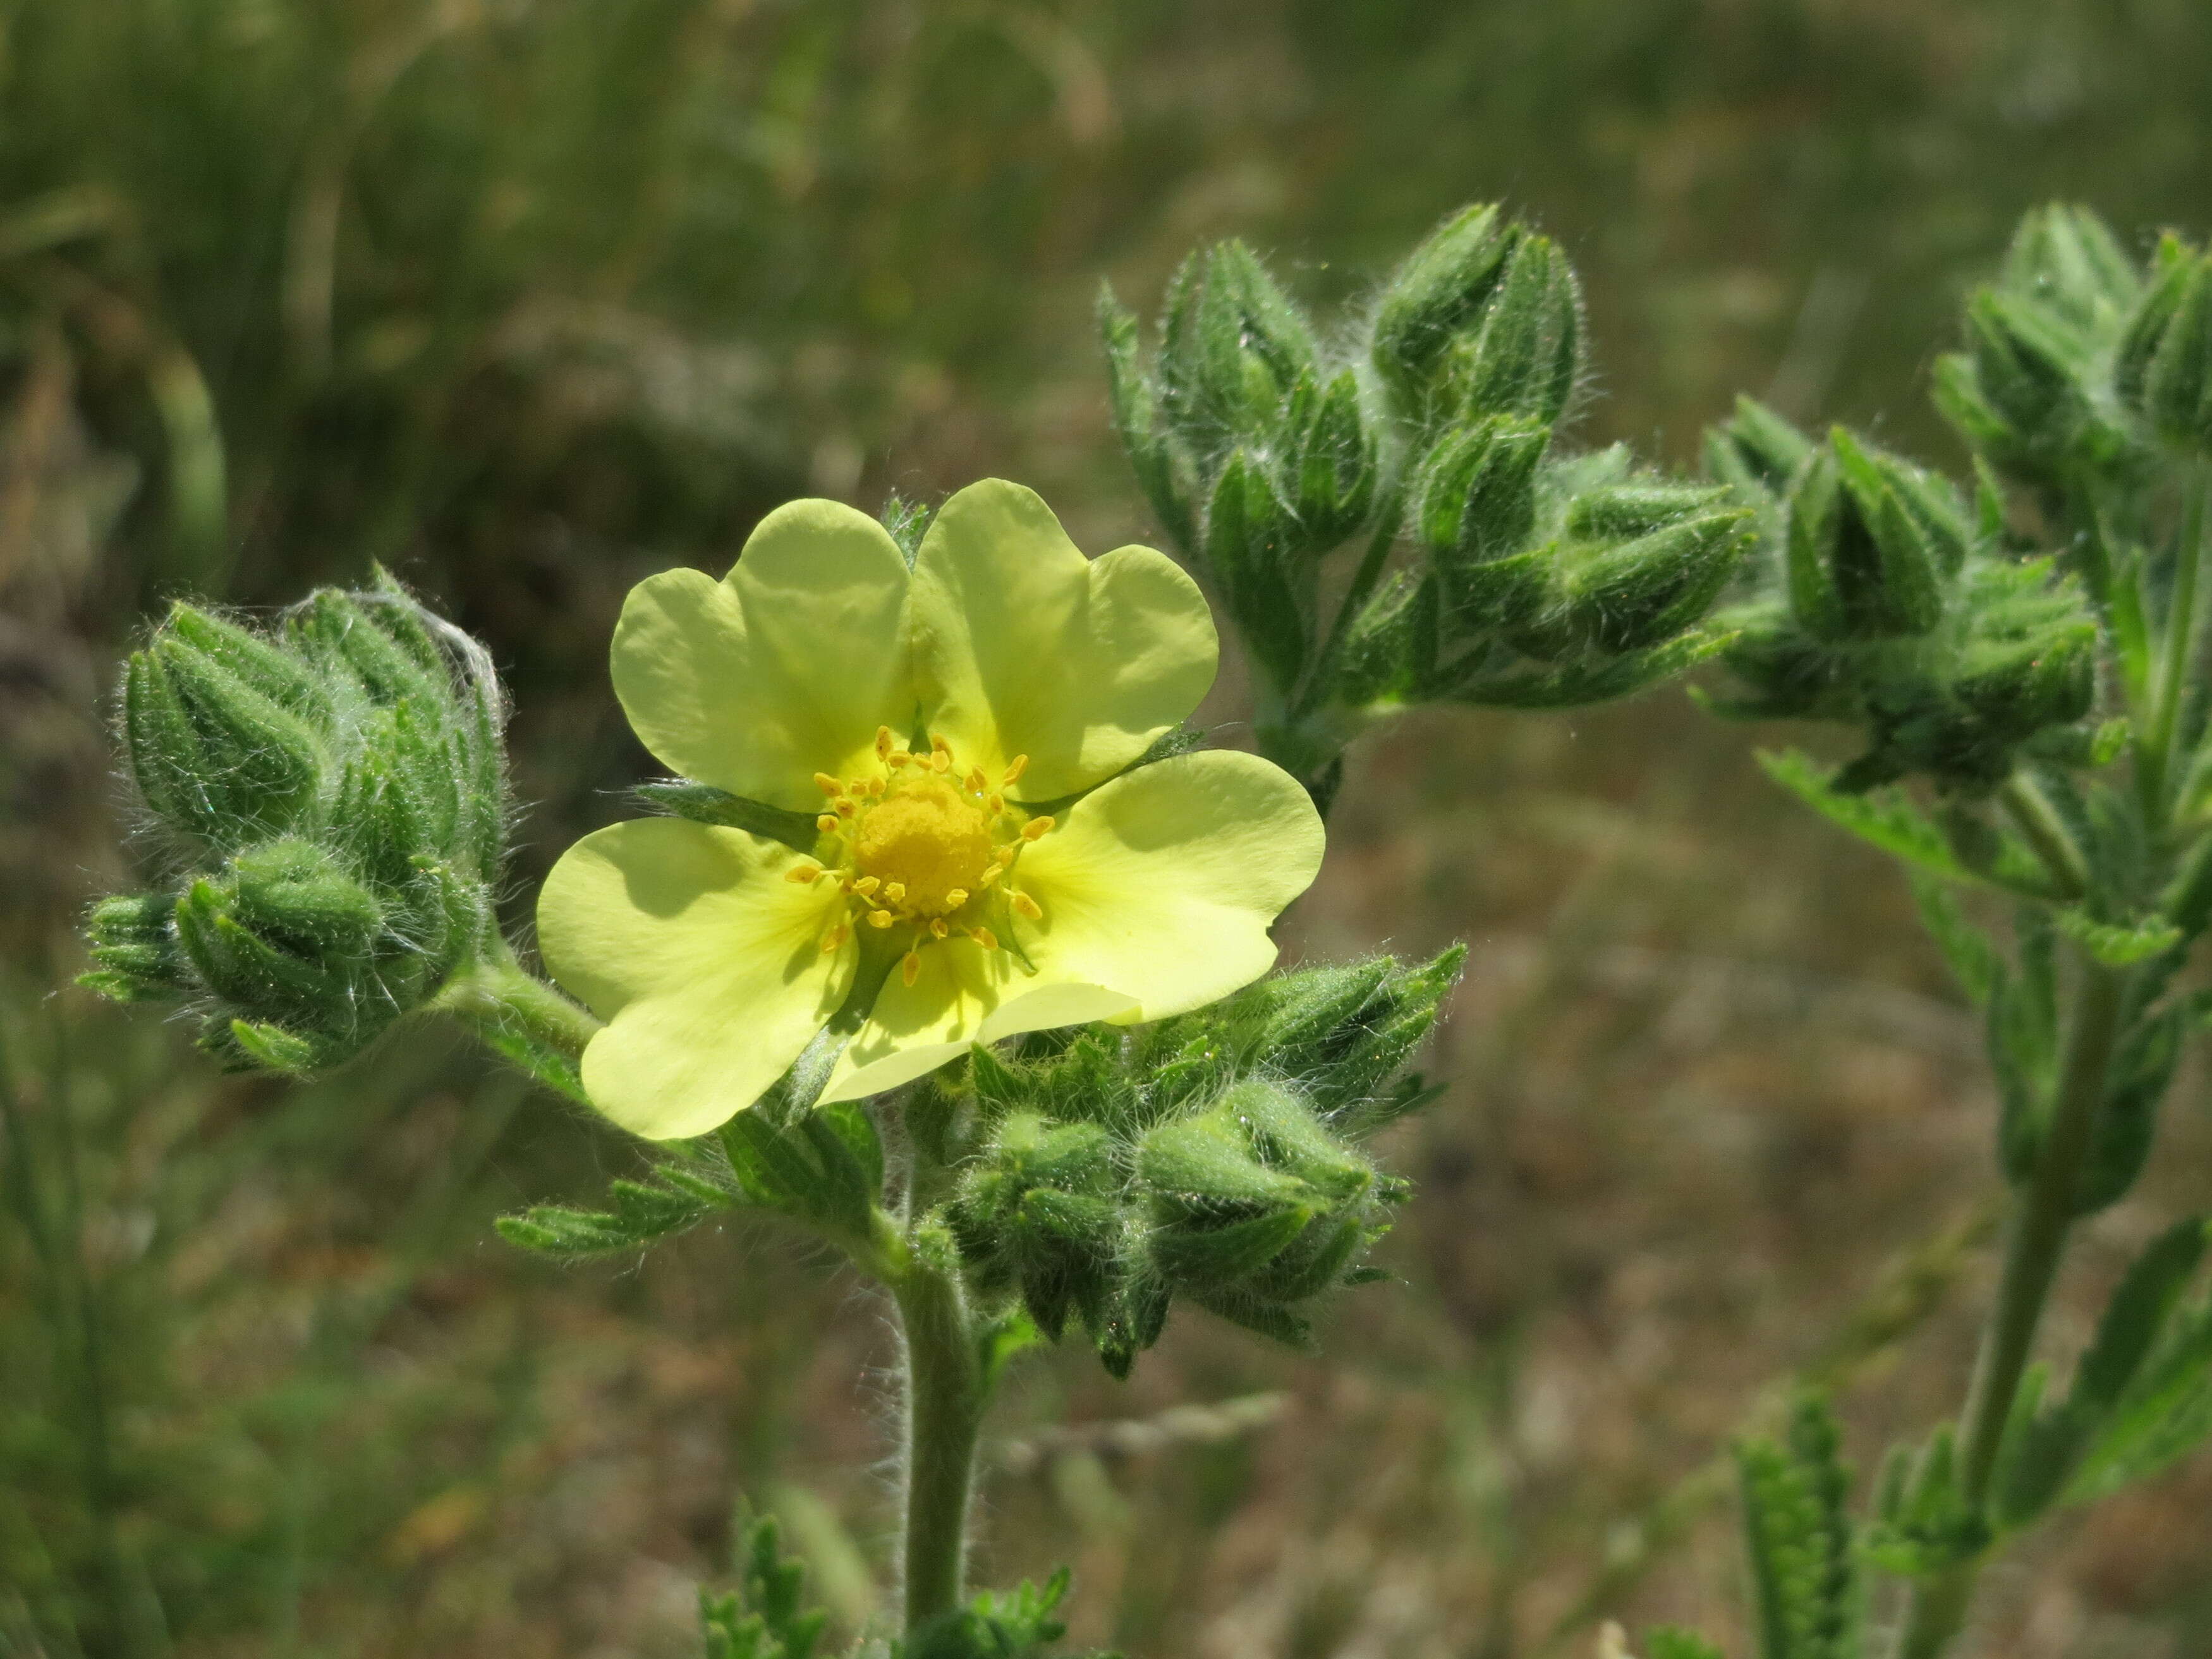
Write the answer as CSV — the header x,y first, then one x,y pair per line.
x,y
826,823
804,871
955,896
835,936
984,937
1029,906
846,807
938,745
828,785
882,743
995,803
894,892
875,785
897,758
1021,764
977,783
941,760
866,884
910,968
1038,829
991,875
880,918
936,927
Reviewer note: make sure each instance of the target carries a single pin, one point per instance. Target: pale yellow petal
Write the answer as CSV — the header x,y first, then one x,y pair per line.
x,y
1161,884
1022,647
783,668
705,961
915,1028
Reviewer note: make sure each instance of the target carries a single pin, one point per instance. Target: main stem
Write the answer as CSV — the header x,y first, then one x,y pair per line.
x,y
2035,1241
945,1391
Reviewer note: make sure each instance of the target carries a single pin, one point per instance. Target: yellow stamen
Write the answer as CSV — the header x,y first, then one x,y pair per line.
x,y
826,823
1021,765
910,968
938,745
995,803
984,937
955,896
1038,829
866,884
882,743
846,808
936,927
830,785
880,918
991,875
977,783
1029,906
941,760
835,936
894,892
804,871
897,758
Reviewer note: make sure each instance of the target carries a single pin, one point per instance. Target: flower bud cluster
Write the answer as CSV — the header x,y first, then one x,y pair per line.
x,y
1525,576
1879,598
331,797
1212,1157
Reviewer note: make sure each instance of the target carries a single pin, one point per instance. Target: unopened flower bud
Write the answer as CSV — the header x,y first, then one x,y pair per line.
x,y
1473,507
1233,344
2163,368
1526,357
132,939
1440,291
1861,564
1630,595
1330,464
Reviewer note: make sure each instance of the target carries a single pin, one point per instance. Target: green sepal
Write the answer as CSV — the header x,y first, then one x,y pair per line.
x,y
1525,358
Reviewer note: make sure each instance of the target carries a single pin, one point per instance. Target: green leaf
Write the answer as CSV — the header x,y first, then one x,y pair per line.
x,y
1968,951
1803,1551
2119,944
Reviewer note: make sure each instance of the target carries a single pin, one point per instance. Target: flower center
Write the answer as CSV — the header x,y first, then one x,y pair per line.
x,y
928,837
916,844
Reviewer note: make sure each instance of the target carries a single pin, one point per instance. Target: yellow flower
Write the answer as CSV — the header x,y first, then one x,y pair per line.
x,y
980,869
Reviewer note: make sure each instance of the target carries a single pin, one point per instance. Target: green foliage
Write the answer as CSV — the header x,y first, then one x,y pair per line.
x,y
2141,1394
1016,1624
1524,576
329,796
1804,1556
821,1168
1923,1523
1668,1642
1211,1157
766,1617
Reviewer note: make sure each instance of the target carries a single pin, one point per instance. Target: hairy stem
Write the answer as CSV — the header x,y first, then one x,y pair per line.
x,y
2035,1241
2033,815
2178,643
500,994
945,1392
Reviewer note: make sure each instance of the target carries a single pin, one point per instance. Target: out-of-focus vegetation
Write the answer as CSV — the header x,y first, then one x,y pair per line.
x,y
530,299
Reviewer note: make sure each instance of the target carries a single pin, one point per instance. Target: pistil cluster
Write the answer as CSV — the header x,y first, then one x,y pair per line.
x,y
923,846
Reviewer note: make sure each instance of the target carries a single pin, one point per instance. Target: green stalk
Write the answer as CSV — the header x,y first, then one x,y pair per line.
x,y
2035,1241
946,1391
498,994
2036,819
2178,643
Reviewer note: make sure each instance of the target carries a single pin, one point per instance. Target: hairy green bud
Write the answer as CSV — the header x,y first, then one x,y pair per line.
x,y
1634,594
1475,505
1438,293
1755,449
1330,467
1861,564
1232,346
2163,370
1526,357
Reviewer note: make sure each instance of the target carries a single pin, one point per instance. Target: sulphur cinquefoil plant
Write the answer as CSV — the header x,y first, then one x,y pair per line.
x,y
2019,653
948,947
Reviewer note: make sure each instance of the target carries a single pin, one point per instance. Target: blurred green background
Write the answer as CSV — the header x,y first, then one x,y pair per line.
x,y
529,298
